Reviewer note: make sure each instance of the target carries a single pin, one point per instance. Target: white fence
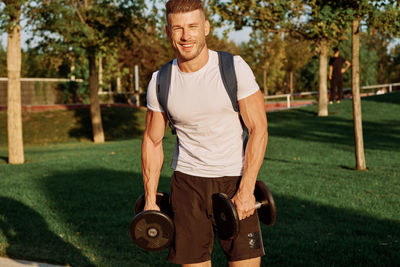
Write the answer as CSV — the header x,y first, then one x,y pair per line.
x,y
289,96
2,79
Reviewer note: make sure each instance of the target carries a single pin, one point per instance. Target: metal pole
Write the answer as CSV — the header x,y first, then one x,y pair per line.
x,y
390,88
136,78
288,101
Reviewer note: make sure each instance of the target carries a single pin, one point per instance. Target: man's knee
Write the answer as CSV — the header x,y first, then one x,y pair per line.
x,y
254,262
200,264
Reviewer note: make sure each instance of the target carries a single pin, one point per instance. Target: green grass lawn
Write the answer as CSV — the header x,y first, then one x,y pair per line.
x,y
51,127
72,203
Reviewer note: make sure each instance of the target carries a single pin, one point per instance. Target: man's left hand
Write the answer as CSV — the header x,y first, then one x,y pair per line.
x,y
244,204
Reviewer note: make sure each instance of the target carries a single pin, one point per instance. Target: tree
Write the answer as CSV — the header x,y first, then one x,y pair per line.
x,y
382,15
267,19
147,47
326,23
11,18
355,86
319,21
298,53
394,65
267,56
378,43
94,26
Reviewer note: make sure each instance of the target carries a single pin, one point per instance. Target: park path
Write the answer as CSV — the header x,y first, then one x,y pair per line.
x,y
274,106
269,106
6,262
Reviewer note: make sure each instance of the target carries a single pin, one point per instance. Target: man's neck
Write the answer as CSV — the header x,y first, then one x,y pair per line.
x,y
194,64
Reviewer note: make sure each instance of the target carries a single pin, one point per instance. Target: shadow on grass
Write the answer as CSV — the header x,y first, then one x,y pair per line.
x,y
118,123
303,124
3,159
28,236
99,203
308,234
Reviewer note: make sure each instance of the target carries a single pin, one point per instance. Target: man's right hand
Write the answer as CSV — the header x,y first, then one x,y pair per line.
x,y
151,206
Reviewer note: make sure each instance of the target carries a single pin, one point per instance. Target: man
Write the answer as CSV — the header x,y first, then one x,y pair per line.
x,y
335,75
209,156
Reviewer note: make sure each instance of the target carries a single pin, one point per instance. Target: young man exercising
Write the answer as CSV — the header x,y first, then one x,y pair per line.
x,y
209,156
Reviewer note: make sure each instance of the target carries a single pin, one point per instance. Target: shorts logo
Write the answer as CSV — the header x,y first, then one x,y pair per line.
x,y
254,240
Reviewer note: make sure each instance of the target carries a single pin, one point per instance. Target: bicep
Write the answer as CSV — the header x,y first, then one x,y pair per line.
x,y
252,110
155,126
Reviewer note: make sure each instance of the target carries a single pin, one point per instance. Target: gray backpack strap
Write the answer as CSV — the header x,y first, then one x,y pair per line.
x,y
228,74
227,69
162,88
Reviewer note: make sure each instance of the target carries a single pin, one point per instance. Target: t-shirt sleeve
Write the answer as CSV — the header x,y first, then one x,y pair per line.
x,y
330,61
152,101
247,84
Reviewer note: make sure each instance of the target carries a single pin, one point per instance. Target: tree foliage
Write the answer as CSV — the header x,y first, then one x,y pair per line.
x,y
394,65
94,26
3,62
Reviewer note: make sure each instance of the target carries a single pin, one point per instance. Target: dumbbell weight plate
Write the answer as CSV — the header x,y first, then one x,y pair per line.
x,y
225,216
152,230
267,212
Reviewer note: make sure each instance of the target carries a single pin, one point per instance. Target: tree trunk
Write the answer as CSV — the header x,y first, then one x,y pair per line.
x,y
14,116
323,77
355,73
265,82
291,83
95,112
119,85
100,74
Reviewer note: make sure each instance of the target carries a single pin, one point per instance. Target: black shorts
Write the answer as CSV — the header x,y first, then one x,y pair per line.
x,y
194,224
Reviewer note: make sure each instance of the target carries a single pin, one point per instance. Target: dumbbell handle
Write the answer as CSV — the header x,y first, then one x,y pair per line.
x,y
260,204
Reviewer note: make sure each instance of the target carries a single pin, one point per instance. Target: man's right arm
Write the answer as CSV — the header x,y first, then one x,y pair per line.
x,y
152,156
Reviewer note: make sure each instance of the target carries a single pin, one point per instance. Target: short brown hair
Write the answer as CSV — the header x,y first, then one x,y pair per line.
x,y
183,6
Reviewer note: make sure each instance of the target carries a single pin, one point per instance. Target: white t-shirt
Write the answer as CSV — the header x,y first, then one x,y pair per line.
x,y
209,130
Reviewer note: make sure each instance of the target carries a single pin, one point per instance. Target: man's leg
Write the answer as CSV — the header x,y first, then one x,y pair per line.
x,y
200,264
340,89
194,237
332,95
247,247
255,262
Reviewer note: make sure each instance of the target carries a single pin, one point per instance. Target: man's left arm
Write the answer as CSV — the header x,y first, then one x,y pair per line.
x,y
348,64
252,110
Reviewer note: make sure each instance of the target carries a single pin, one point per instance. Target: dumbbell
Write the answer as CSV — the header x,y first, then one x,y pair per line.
x,y
153,230
226,216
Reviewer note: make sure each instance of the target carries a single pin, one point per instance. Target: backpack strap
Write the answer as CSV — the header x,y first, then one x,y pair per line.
x,y
162,86
228,75
227,69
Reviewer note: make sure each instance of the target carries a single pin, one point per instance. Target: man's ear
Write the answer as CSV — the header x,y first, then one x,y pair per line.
x,y
207,27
